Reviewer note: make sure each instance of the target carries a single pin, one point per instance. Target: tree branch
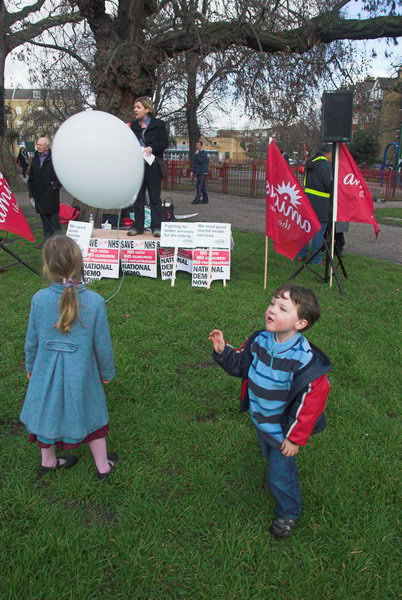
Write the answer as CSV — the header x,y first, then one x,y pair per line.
x,y
68,51
16,38
14,17
323,29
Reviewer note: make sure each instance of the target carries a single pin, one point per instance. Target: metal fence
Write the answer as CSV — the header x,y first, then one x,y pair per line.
x,y
248,179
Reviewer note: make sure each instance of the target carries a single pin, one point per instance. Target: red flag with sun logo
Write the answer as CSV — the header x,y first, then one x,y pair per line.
x,y
11,216
290,220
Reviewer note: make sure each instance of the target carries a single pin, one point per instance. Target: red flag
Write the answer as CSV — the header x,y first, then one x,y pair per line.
x,y
291,221
355,204
11,216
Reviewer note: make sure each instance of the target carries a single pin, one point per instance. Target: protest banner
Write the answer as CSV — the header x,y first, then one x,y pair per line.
x,y
80,232
102,259
139,257
177,235
184,261
213,235
208,265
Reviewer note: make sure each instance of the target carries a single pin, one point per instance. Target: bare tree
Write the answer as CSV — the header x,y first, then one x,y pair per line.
x,y
141,34
18,27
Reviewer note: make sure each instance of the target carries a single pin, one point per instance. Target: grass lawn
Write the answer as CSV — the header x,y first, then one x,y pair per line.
x,y
185,514
389,216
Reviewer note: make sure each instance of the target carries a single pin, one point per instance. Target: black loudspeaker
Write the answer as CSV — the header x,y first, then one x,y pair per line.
x,y
337,110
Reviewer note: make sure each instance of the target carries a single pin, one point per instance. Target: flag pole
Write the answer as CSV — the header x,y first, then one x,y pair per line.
x,y
270,140
334,207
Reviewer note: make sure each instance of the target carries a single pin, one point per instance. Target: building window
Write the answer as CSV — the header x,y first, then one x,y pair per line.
x,y
18,110
36,94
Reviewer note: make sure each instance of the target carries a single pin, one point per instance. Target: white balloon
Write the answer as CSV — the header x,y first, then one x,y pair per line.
x,y
98,159
130,202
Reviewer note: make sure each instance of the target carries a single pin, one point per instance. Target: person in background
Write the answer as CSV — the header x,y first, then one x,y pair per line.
x,y
200,169
317,186
22,161
44,188
153,138
285,155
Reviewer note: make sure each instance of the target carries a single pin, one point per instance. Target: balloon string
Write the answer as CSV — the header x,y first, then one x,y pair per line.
x,y
118,238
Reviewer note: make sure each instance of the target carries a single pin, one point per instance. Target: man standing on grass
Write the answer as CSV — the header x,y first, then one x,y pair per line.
x,y
200,169
44,187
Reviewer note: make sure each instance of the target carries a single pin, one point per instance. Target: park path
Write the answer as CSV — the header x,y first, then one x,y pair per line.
x,y
248,214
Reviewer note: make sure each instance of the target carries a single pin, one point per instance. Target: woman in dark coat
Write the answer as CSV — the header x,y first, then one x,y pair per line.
x,y
44,187
153,138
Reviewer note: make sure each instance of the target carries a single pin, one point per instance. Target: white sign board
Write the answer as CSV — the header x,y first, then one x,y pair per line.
x,y
213,235
139,257
102,259
220,266
80,232
184,261
178,235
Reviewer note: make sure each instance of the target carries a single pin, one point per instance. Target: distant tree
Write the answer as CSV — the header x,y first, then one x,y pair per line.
x,y
364,147
24,25
20,24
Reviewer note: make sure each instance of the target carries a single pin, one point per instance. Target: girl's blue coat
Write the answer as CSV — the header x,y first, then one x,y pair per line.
x,y
65,398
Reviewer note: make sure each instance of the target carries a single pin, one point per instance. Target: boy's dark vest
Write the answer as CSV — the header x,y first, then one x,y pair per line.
x,y
318,366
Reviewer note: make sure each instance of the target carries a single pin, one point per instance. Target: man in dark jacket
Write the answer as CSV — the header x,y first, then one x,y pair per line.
x,y
200,169
317,185
44,187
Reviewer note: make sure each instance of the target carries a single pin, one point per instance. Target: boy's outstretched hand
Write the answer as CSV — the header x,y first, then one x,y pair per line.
x,y
216,337
288,448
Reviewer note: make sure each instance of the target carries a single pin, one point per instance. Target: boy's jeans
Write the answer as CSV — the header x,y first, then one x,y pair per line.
x,y
282,480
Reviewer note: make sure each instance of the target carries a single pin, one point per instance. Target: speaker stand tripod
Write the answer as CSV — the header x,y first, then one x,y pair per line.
x,y
17,258
329,264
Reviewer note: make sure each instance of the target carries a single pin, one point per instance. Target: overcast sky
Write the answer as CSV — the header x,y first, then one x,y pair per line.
x,y
16,72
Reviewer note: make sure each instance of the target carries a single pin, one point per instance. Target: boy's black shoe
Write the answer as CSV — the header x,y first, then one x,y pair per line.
x,y
282,527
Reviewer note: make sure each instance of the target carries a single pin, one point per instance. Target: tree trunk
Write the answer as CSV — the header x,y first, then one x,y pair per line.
x,y
124,64
119,79
7,162
192,103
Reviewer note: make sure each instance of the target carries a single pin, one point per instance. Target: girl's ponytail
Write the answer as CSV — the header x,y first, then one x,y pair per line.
x,y
69,306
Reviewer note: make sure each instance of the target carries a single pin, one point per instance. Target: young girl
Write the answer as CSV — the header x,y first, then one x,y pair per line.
x,y
68,355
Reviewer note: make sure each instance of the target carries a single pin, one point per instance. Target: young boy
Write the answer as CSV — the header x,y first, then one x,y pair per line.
x,y
286,387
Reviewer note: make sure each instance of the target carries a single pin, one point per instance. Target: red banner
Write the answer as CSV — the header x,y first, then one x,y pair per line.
x,y
290,220
11,216
355,204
